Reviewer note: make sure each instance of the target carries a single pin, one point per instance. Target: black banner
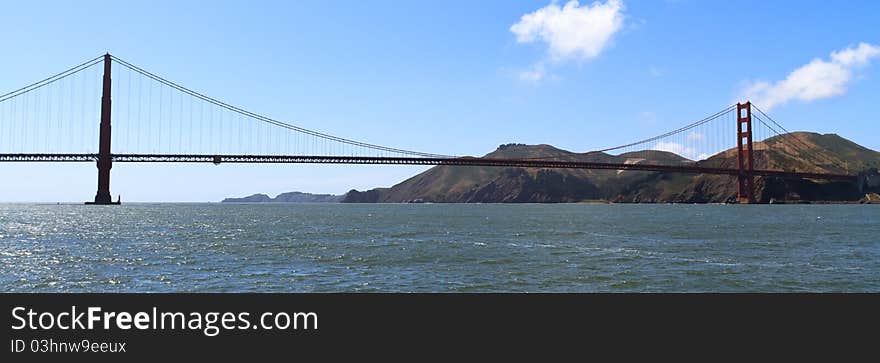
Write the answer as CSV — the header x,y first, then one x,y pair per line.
x,y
114,327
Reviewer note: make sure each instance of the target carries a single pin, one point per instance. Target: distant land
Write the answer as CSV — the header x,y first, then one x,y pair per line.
x,y
827,153
292,197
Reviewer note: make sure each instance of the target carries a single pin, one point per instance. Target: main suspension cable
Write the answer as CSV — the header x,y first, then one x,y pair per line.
x,y
51,79
270,120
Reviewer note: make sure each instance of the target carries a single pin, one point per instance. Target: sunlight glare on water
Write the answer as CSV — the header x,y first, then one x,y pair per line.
x,y
438,248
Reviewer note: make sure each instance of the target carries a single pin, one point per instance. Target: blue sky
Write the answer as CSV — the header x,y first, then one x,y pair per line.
x,y
452,77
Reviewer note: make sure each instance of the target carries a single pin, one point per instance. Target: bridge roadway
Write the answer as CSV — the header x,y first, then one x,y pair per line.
x,y
460,161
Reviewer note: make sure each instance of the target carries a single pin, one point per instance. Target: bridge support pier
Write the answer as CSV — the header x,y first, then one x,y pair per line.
x,y
745,160
105,159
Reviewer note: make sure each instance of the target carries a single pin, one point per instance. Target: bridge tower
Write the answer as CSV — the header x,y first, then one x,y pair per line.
x,y
745,161
105,159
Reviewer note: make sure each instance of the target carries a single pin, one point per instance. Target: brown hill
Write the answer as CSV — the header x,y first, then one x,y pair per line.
x,y
827,153
461,184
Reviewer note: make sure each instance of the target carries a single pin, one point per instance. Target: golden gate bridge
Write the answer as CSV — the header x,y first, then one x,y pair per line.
x,y
144,118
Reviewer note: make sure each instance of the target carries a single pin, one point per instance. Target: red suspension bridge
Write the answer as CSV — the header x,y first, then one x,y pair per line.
x,y
156,120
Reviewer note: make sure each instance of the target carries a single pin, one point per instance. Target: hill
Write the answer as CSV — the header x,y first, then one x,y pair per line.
x,y
461,184
292,197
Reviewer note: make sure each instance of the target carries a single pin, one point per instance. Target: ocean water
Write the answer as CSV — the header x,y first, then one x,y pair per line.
x,y
439,248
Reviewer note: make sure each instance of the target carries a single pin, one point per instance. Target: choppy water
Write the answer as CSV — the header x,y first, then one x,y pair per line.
x,y
465,248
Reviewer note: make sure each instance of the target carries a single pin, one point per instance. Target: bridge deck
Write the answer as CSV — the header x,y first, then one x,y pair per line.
x,y
462,161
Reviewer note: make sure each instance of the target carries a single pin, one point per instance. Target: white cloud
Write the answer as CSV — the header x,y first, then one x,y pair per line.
x,y
570,32
857,56
537,73
816,80
695,136
674,147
